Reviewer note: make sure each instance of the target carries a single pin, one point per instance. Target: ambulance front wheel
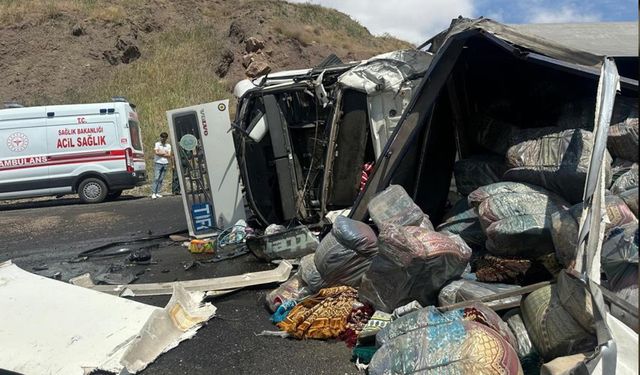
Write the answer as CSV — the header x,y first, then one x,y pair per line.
x,y
92,190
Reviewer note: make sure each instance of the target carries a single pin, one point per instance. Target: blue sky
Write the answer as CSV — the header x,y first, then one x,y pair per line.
x,y
545,11
417,20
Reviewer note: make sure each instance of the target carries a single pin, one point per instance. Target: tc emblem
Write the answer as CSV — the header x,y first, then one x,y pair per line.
x,y
17,142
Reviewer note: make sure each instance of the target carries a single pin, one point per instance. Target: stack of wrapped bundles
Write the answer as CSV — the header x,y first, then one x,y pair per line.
x,y
622,141
627,181
630,198
626,186
620,265
473,340
463,221
394,206
516,218
565,225
413,263
620,167
554,159
529,357
559,318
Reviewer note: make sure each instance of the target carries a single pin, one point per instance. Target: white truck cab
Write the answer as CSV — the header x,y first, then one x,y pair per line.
x,y
94,150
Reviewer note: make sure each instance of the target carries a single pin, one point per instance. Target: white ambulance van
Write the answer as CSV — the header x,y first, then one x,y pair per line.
x,y
94,150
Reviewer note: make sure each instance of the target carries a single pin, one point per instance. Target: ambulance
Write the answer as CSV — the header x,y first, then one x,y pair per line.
x,y
94,150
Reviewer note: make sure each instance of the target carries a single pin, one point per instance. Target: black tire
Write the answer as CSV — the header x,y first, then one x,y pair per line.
x,y
114,194
92,190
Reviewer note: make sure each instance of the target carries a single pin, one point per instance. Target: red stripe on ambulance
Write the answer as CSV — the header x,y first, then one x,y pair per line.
x,y
53,160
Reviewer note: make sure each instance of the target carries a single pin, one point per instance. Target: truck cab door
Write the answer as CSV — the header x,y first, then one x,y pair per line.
x,y
205,160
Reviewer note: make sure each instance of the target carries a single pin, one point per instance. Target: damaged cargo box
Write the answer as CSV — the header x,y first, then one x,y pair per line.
x,y
544,109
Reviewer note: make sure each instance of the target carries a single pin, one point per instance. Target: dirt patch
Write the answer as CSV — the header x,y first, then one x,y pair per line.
x,y
95,219
44,223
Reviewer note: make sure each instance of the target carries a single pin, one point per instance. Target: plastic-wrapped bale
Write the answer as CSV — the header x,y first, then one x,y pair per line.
x,y
630,197
559,319
394,206
477,171
309,273
518,224
555,160
565,226
529,357
346,252
620,265
463,221
627,181
431,316
465,290
413,263
481,194
623,131
445,344
292,289
620,167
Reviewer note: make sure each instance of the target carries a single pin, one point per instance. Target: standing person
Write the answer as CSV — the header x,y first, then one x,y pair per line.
x,y
160,164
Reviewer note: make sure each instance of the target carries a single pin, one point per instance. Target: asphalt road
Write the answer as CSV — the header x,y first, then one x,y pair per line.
x,y
46,235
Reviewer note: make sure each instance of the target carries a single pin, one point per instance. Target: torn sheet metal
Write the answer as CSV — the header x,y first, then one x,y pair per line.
x,y
514,36
594,216
166,328
387,72
600,38
277,275
51,327
593,220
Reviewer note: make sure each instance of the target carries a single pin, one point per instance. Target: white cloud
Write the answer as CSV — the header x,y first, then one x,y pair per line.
x,y
412,20
564,14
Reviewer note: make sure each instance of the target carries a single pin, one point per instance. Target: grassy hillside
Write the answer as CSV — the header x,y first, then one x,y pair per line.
x,y
181,44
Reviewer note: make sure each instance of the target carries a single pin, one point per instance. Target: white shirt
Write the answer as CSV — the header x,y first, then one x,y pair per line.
x,y
160,147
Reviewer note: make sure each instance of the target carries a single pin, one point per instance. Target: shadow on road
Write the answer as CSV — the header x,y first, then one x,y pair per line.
x,y
55,202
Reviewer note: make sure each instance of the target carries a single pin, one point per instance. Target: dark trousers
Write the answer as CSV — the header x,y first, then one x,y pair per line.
x,y
175,184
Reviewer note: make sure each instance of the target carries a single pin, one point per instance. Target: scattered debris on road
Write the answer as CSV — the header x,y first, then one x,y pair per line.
x,y
277,275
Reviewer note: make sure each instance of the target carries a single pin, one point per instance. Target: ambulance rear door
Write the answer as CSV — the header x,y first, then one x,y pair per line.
x,y
23,153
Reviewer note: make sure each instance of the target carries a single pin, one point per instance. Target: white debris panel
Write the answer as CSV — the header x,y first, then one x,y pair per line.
x,y
51,327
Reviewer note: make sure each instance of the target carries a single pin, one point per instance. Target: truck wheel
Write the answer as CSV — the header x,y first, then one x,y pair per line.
x,y
92,190
114,194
